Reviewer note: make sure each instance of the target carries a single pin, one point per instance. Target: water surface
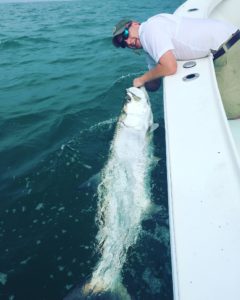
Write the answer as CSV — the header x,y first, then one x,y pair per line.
x,y
62,86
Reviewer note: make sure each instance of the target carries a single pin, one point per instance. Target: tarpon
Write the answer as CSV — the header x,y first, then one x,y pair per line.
x,y
124,195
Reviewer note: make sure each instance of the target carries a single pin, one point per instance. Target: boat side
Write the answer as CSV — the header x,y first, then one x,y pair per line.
x,y
197,8
203,179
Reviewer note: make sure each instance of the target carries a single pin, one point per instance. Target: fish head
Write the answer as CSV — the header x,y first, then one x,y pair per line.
x,y
137,95
137,100
137,109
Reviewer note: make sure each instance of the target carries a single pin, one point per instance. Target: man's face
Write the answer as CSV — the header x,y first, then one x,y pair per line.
x,y
133,41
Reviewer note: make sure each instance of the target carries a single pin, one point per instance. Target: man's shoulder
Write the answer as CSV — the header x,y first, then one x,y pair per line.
x,y
160,24
161,19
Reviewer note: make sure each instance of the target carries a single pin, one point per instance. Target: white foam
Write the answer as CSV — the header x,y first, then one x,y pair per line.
x,y
61,268
3,278
103,124
68,286
25,261
39,206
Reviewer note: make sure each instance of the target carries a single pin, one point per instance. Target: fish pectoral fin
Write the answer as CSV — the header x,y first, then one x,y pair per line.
x,y
153,127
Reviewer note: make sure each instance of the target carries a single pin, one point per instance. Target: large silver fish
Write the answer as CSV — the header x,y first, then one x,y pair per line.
x,y
124,195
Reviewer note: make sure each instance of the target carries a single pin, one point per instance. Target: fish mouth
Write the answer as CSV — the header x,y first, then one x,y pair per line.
x,y
131,96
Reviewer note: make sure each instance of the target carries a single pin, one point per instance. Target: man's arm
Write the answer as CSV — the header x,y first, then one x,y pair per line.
x,y
166,66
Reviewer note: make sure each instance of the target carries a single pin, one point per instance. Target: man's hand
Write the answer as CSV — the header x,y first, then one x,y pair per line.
x,y
138,82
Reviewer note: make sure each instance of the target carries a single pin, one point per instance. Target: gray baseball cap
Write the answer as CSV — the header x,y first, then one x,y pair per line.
x,y
120,26
118,29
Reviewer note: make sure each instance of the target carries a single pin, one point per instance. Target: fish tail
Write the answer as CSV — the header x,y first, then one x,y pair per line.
x,y
98,292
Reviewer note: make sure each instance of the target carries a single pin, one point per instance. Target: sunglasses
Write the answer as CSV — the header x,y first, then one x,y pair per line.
x,y
119,41
125,33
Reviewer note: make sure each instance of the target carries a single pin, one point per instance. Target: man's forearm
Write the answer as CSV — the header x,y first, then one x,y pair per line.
x,y
157,72
167,66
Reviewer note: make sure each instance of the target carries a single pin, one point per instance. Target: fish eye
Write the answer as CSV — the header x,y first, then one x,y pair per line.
x,y
135,97
128,98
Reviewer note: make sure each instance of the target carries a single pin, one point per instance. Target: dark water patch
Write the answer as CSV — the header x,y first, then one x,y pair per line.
x,y
72,87
22,41
151,261
39,99
26,123
35,39
26,62
10,44
100,42
80,25
61,263
29,80
45,28
66,60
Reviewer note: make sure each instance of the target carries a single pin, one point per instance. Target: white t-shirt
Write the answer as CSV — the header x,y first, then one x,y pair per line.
x,y
188,38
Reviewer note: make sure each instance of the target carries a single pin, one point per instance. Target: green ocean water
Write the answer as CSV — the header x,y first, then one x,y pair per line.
x,y
62,87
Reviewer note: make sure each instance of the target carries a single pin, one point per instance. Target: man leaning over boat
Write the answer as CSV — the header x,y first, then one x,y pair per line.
x,y
166,38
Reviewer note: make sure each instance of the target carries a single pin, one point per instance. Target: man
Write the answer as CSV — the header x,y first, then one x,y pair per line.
x,y
167,38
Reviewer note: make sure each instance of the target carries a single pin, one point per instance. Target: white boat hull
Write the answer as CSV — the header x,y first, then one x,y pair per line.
x,y
203,150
